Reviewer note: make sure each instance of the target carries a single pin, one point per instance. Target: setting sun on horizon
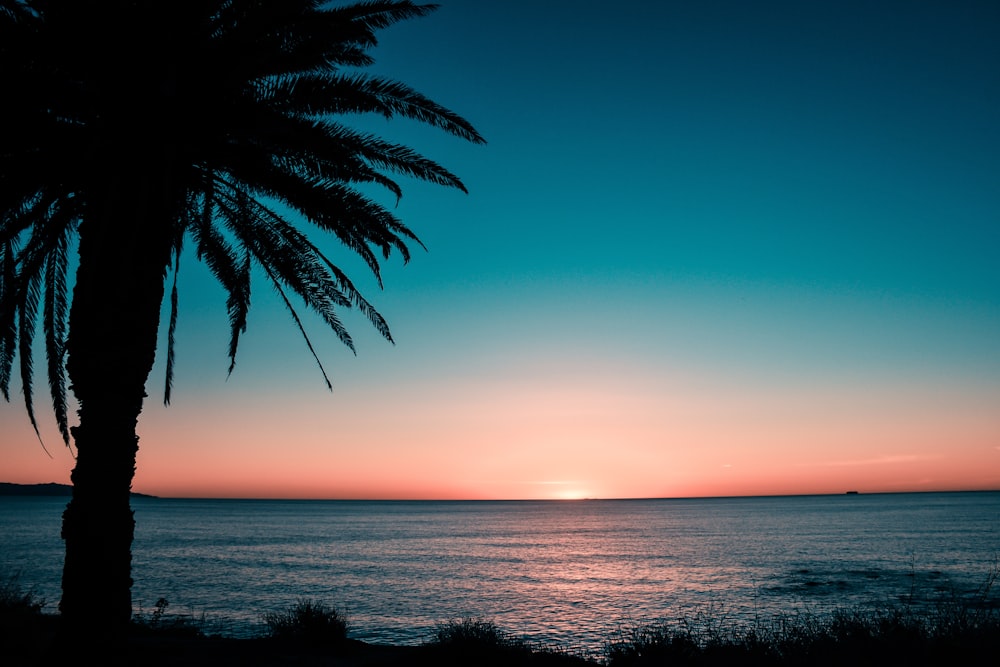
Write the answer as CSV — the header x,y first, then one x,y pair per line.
x,y
710,249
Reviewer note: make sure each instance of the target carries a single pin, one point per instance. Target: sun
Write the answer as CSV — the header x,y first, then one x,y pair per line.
x,y
567,491
572,495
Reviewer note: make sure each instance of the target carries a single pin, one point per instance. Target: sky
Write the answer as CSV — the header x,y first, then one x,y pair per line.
x,y
711,248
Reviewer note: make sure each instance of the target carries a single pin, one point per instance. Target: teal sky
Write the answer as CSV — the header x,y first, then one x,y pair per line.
x,y
782,212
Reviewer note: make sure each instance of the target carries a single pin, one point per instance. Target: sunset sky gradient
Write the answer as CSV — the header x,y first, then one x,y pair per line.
x,y
711,248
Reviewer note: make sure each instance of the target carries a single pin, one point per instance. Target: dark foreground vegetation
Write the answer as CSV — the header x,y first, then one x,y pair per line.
x,y
310,634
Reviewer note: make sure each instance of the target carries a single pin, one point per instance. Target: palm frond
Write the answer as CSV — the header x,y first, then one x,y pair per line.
x,y
21,210
301,145
287,261
328,150
238,305
40,267
171,330
371,15
357,221
298,323
301,36
356,218
8,310
21,297
230,271
16,12
387,155
362,304
335,94
344,34
290,260
27,320
54,327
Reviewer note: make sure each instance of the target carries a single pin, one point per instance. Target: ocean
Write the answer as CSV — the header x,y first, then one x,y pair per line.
x,y
569,574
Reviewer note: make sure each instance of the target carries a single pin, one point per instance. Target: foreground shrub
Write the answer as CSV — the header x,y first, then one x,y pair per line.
x,y
475,633
892,637
971,613
15,601
157,622
23,625
962,628
477,641
308,621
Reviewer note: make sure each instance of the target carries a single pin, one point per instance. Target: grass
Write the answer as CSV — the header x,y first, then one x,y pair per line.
x,y
479,641
159,623
957,631
23,623
308,621
889,637
17,603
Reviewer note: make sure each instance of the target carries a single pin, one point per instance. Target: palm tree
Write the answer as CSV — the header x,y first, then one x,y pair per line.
x,y
140,126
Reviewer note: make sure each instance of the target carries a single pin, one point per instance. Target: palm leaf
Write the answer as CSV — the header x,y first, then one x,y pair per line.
x,y
337,94
298,323
231,272
171,331
54,327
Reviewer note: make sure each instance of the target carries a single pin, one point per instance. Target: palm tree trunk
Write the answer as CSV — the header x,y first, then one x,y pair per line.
x,y
124,252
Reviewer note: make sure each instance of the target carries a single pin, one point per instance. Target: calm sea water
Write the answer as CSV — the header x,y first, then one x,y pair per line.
x,y
565,572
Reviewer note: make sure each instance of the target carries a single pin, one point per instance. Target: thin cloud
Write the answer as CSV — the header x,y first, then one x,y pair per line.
x,y
882,460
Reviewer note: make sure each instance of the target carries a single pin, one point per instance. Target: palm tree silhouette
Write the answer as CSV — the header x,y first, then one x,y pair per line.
x,y
139,126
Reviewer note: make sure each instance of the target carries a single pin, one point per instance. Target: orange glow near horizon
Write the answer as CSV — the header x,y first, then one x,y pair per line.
x,y
538,441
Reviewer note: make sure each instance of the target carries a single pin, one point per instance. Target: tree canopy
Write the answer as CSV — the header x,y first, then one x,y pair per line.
x,y
236,106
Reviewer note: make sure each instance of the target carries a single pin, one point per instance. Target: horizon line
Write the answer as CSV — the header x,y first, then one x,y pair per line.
x,y
66,488
850,492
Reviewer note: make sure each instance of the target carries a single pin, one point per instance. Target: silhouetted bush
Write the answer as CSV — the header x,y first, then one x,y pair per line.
x,y
23,625
882,637
16,602
308,621
475,633
477,641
